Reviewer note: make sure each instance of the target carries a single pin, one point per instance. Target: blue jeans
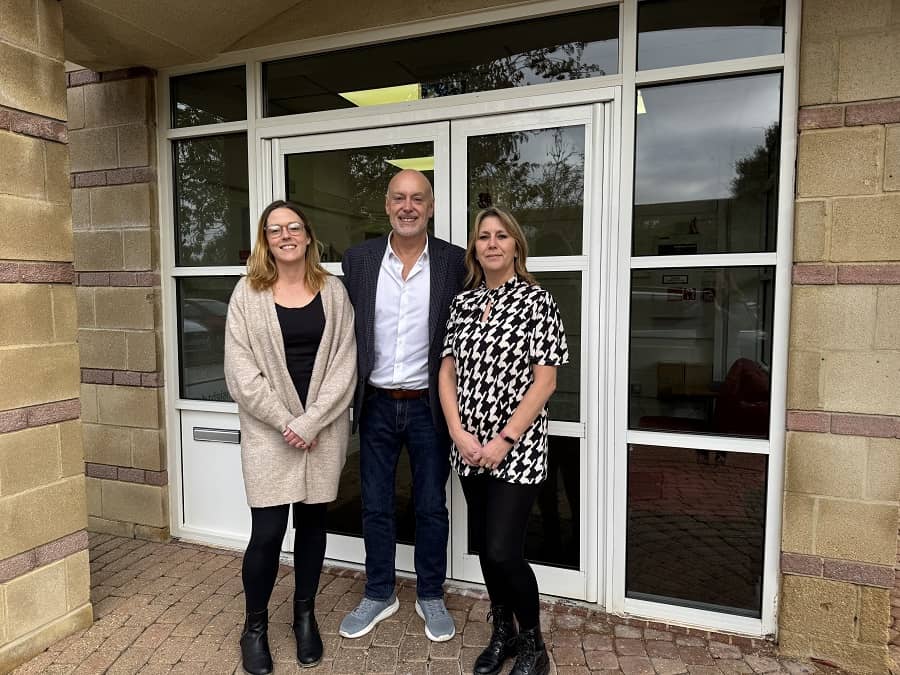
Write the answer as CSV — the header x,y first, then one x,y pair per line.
x,y
385,426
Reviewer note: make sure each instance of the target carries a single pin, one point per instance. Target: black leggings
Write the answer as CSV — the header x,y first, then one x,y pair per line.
x,y
498,516
260,567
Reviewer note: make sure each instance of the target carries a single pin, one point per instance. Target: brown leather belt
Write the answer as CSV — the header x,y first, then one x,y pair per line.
x,y
402,394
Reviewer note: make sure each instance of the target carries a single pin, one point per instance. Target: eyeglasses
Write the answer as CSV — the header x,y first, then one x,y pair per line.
x,y
276,230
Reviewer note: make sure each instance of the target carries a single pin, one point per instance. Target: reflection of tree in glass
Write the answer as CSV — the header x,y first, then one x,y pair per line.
x,y
201,200
757,173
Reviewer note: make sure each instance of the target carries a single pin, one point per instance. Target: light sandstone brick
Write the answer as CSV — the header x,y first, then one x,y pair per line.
x,y
851,656
84,300
818,71
88,400
65,318
31,82
798,523
883,470
102,349
31,645
134,145
35,517
4,632
833,317
56,172
44,230
93,149
818,607
22,168
135,503
28,459
811,231
28,314
868,67
93,491
862,382
825,18
71,448
138,249
78,580
128,406
824,464
892,158
18,23
117,528
98,251
50,29
124,307
40,374
804,380
107,444
887,322
116,102
141,350
147,533
120,206
75,108
840,162
147,451
865,229
858,531
36,598
81,209
874,615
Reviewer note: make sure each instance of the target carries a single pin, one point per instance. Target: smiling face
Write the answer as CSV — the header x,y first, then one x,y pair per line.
x,y
287,248
409,204
495,249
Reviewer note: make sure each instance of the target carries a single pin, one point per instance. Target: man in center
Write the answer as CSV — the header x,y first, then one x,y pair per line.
x,y
401,286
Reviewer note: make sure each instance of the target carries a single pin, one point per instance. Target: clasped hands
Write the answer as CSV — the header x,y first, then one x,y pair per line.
x,y
295,441
474,453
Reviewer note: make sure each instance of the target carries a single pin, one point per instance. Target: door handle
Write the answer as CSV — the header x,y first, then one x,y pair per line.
x,y
217,435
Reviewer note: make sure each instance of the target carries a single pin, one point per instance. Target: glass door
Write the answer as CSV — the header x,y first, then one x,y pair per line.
x,y
340,181
539,165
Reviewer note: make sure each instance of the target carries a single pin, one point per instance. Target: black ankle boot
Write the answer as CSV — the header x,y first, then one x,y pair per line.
x,y
255,655
532,658
306,630
502,644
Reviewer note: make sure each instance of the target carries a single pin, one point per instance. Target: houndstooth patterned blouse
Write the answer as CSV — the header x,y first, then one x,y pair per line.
x,y
494,360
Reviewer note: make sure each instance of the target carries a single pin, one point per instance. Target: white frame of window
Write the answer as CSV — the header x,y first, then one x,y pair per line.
x,y
620,263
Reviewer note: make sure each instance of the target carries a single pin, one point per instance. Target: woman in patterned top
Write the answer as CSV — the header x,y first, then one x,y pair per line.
x,y
504,343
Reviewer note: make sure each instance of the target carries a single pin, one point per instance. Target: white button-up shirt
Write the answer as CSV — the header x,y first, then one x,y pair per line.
x,y
401,323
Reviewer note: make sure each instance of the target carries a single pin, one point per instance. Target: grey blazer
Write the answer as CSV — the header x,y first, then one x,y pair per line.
x,y
361,265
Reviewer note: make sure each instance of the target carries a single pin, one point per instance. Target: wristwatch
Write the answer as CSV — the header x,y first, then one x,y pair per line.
x,y
508,439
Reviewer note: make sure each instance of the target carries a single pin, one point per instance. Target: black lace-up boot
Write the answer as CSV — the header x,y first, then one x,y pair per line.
x,y
532,658
502,644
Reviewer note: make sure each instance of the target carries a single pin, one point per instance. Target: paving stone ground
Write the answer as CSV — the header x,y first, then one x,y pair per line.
x,y
178,608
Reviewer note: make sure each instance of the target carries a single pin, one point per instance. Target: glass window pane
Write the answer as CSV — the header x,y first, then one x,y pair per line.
x,y
209,98
706,167
212,211
701,350
548,49
681,32
342,191
202,310
565,287
553,533
696,528
539,176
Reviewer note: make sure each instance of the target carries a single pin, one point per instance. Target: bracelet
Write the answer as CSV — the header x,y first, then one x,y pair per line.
x,y
511,441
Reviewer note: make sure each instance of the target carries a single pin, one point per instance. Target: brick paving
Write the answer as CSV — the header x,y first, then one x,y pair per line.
x,y
178,608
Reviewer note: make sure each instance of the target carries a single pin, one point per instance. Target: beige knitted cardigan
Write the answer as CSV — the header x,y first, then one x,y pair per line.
x,y
258,379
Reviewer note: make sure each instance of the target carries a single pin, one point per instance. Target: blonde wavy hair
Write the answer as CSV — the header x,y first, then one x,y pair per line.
x,y
261,269
474,273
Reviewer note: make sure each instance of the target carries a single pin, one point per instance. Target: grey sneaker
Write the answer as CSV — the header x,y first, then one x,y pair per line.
x,y
438,622
367,613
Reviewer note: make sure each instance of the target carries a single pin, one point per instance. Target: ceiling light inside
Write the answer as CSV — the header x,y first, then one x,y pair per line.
x,y
383,95
416,163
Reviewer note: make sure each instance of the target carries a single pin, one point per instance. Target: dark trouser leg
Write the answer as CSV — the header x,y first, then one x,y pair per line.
x,y
430,464
379,450
309,552
475,490
260,567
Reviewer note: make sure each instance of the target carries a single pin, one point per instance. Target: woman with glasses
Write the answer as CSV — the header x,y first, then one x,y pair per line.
x,y
504,343
290,364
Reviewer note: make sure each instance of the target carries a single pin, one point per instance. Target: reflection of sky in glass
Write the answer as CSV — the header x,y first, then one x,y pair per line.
x,y
598,58
693,134
683,46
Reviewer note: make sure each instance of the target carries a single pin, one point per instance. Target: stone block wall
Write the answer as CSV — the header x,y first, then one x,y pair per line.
x,y
44,584
112,138
840,597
